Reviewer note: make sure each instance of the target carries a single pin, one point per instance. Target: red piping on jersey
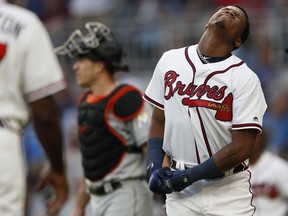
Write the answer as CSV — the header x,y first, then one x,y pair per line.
x,y
201,122
46,90
194,72
197,152
153,101
191,64
203,103
222,71
204,133
247,125
251,192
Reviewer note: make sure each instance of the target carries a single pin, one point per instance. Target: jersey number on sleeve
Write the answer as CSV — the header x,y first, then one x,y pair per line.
x,y
3,49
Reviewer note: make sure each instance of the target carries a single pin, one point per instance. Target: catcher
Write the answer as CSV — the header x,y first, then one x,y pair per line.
x,y
113,122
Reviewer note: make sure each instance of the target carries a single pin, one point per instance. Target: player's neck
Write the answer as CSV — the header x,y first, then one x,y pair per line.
x,y
210,45
209,59
103,87
253,159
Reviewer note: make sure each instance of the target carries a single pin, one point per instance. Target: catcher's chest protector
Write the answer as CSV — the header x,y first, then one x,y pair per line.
x,y
102,146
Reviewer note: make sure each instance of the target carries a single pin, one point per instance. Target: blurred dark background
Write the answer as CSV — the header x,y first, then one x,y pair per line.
x,y
147,28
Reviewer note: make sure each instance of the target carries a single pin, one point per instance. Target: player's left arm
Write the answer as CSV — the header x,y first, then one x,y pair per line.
x,y
237,151
225,159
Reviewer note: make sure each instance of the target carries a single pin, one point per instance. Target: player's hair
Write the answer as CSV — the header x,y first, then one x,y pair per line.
x,y
246,31
95,56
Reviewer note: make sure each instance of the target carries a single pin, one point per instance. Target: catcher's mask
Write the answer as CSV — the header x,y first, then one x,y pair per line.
x,y
98,44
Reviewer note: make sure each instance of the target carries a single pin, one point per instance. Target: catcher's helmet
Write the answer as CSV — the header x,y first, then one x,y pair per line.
x,y
98,44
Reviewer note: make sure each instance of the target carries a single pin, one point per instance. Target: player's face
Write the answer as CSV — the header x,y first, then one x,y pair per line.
x,y
231,20
86,72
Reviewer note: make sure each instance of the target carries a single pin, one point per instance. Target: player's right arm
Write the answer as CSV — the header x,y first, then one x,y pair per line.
x,y
45,117
157,124
82,200
155,155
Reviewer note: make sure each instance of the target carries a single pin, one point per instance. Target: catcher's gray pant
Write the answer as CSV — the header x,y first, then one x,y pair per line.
x,y
12,174
133,198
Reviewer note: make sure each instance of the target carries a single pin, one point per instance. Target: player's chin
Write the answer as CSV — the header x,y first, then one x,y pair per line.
x,y
81,83
221,23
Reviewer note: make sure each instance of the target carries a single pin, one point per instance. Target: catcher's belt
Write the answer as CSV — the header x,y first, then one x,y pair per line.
x,y
106,188
110,186
179,165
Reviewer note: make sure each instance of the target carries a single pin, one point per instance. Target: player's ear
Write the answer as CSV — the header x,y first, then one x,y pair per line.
x,y
99,66
238,43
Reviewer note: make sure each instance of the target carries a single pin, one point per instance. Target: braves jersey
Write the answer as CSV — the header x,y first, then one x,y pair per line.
x,y
269,177
203,103
29,69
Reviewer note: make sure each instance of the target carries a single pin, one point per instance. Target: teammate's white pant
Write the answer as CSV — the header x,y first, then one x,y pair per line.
x,y
229,196
12,174
133,198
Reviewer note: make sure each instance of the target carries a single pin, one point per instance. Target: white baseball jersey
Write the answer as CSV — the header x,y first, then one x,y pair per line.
x,y
29,69
203,103
269,177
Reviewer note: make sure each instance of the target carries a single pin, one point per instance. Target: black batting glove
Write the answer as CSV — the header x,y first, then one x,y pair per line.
x,y
155,178
178,181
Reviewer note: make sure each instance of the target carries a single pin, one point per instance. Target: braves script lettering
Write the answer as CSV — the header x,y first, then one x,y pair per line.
x,y
223,110
190,90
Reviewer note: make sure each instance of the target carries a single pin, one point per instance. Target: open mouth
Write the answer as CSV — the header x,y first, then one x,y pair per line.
x,y
220,23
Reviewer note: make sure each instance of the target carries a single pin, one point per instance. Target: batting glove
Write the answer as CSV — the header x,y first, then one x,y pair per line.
x,y
156,177
182,179
151,168
178,181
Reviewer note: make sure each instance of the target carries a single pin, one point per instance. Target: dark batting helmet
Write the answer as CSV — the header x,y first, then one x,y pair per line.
x,y
99,43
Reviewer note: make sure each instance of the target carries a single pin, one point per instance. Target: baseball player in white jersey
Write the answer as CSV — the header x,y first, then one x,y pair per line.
x,y
208,110
113,124
269,177
30,74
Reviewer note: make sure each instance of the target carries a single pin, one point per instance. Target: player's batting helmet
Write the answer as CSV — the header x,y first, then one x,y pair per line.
x,y
99,43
